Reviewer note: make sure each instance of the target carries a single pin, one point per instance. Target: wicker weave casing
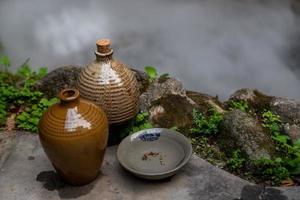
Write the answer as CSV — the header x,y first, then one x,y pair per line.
x,y
110,84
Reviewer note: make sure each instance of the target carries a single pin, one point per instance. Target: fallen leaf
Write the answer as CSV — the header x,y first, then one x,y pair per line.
x,y
287,183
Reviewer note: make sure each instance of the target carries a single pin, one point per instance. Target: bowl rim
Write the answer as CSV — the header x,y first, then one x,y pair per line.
x,y
184,161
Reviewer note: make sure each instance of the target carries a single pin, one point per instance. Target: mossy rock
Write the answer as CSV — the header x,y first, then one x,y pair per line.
x,y
255,99
157,90
58,79
142,79
239,130
172,110
287,109
205,101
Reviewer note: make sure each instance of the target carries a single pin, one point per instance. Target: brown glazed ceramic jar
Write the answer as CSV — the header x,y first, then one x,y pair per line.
x,y
74,136
110,84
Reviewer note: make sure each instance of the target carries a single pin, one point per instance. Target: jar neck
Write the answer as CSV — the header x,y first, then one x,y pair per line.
x,y
69,97
69,104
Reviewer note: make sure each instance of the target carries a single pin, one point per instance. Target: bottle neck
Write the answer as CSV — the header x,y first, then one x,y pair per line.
x,y
104,57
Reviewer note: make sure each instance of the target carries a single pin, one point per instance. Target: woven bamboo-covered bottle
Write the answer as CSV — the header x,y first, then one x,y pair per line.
x,y
110,84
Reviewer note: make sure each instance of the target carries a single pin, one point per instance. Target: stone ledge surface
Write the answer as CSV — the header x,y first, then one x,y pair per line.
x,y
28,175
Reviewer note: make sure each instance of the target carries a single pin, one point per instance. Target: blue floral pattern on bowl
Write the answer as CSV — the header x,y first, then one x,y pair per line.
x,y
148,137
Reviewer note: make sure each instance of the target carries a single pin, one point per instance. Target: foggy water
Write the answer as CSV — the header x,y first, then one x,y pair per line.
x,y
213,46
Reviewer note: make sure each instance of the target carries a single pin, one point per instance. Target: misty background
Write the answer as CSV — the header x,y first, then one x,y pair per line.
x,y
212,46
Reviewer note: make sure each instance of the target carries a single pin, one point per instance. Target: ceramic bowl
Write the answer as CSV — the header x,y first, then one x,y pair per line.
x,y
155,153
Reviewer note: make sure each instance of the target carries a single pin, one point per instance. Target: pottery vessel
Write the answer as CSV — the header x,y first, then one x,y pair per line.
x,y
74,135
155,153
110,84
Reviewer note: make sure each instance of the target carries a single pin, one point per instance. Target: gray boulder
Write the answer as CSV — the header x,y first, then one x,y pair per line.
x,y
167,104
172,110
170,105
158,89
239,130
142,79
245,94
58,79
205,101
256,99
287,109
293,131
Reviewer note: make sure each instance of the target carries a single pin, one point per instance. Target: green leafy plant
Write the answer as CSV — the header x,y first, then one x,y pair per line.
x,y
272,122
153,75
18,96
272,170
241,105
30,75
162,78
206,125
174,128
207,151
236,161
5,62
288,164
29,119
140,122
151,72
293,163
2,112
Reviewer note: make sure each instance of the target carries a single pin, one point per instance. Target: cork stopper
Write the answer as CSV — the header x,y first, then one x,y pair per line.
x,y
103,46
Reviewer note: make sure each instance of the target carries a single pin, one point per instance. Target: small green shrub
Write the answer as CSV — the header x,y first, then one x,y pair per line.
x,y
140,122
241,105
271,170
3,113
151,72
207,151
271,122
236,161
288,163
18,96
206,125
30,75
29,119
153,75
5,62
162,78
174,128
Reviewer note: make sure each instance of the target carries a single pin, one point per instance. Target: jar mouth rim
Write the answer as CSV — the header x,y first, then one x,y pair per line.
x,y
69,95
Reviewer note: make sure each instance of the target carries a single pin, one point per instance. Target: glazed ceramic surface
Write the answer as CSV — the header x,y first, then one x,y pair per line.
x,y
154,153
74,136
110,84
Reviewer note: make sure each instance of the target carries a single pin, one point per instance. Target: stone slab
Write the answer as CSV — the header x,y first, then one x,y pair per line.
x,y
27,174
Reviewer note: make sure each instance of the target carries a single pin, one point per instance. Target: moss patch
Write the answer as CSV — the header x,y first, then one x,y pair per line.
x,y
206,149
